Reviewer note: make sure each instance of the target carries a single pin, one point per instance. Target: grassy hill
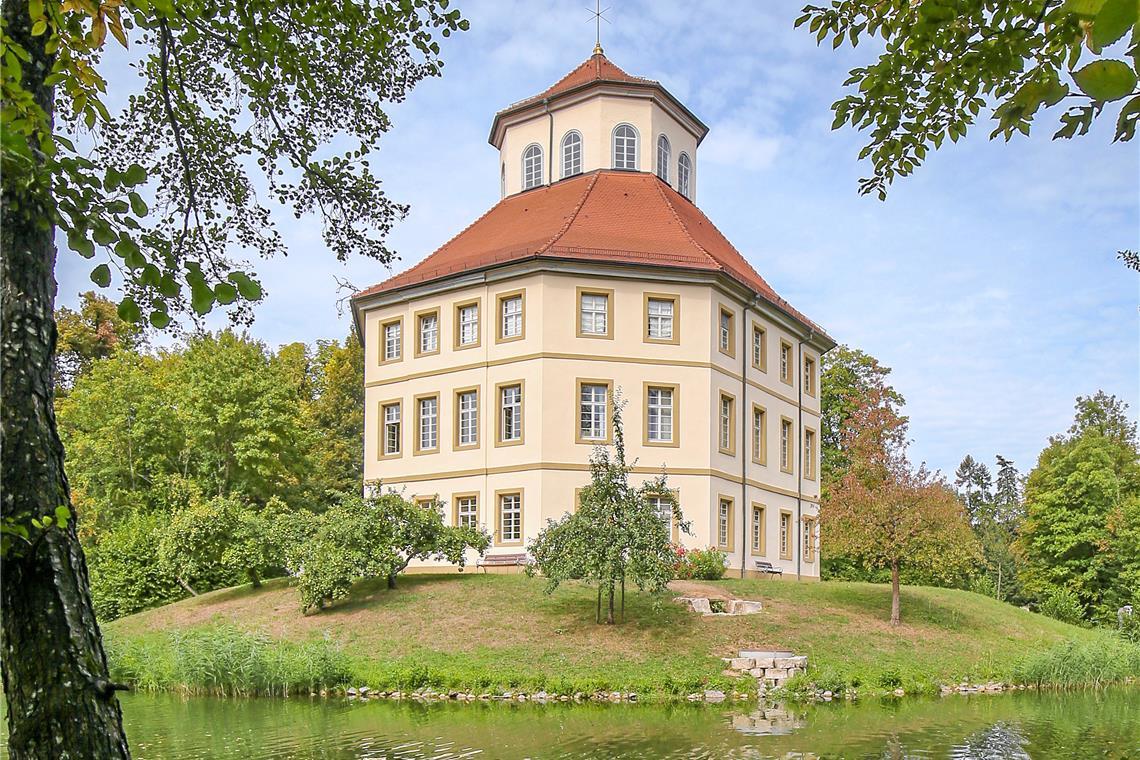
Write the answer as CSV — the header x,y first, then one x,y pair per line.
x,y
476,632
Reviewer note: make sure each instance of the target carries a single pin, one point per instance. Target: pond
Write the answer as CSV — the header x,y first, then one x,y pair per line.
x,y
1021,725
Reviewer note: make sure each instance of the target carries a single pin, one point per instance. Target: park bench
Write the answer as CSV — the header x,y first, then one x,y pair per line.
x,y
503,560
763,566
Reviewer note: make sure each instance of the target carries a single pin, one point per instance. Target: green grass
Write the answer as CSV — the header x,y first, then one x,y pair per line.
x,y
493,632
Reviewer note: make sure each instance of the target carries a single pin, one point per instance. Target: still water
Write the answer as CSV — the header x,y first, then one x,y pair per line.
x,y
1085,725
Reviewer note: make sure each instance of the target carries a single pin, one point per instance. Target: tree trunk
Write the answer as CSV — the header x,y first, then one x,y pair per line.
x,y
254,578
598,614
610,608
895,593
185,585
391,580
60,700
623,599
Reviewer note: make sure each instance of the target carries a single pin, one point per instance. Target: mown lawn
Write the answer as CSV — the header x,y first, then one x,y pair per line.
x,y
483,631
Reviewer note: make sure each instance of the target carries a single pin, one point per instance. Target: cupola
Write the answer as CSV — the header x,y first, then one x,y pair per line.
x,y
597,117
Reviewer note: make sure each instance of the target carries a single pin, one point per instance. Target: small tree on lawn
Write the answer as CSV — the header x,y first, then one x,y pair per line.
x,y
376,537
888,514
616,534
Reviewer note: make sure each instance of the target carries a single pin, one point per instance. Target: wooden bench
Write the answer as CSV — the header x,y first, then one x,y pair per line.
x,y
763,566
503,560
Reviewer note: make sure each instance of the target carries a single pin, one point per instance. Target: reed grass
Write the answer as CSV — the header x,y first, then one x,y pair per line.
x,y
226,661
1076,664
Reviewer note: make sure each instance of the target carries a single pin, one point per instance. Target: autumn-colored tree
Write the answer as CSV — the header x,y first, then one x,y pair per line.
x,y
888,513
94,332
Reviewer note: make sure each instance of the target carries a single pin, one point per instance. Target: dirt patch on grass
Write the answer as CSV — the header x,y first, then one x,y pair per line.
x,y
699,589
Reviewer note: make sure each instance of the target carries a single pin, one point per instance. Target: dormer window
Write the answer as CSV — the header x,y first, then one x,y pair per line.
x,y
684,172
625,147
571,154
663,154
532,166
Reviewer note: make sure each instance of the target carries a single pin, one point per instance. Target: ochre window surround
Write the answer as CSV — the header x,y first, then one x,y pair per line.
x,y
508,503
608,408
674,525
809,539
759,347
786,534
500,439
607,315
655,320
725,519
787,445
465,331
726,423
726,331
674,409
809,454
786,362
424,319
504,320
809,375
465,506
427,422
461,419
396,343
757,534
387,409
759,434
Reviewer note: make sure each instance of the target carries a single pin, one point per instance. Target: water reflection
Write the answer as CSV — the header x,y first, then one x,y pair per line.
x,y
1103,724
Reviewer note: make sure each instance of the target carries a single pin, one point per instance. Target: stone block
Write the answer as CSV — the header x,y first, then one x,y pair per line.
x,y
790,662
714,696
744,607
765,662
758,672
779,673
742,663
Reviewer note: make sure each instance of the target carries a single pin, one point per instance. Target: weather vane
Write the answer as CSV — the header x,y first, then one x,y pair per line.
x,y
597,15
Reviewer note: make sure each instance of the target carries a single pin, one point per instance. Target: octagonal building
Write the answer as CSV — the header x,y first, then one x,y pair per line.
x,y
491,367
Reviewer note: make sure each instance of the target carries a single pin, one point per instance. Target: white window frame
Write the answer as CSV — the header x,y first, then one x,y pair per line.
x,y
392,433
427,424
593,313
661,320
429,336
532,166
467,418
393,341
510,317
624,141
593,411
571,148
684,175
723,522
510,516
467,511
468,327
664,155
659,414
510,413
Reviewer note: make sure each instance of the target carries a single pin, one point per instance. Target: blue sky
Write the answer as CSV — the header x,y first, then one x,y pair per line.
x,y
987,281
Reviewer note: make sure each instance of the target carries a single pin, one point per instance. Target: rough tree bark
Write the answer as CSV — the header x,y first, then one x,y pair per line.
x,y
895,593
60,701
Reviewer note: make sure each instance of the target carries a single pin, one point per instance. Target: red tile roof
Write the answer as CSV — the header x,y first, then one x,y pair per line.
x,y
604,216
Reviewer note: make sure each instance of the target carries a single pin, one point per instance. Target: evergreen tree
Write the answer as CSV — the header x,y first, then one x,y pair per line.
x,y
975,487
1007,493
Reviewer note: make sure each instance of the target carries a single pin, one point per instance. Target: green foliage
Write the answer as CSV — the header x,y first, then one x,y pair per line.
x,y
1101,660
617,532
1083,511
1064,605
700,564
125,577
94,332
376,537
943,61
337,413
226,661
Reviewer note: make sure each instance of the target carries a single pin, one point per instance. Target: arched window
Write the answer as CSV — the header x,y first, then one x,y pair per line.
x,y
571,154
684,175
532,166
625,147
663,154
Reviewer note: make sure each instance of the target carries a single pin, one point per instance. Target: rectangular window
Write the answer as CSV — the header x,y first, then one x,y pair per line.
x,y
727,425
427,423
393,341
809,454
758,530
467,511
660,316
510,413
593,399
726,340
759,348
786,362
759,435
809,376
429,334
724,523
659,414
663,506
594,313
467,324
510,518
466,418
511,316
391,429
786,445
785,535
809,539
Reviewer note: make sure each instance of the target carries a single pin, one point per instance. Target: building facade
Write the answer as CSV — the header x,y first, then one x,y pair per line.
x,y
493,365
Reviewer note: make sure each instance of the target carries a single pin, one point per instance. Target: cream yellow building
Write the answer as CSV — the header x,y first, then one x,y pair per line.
x,y
492,365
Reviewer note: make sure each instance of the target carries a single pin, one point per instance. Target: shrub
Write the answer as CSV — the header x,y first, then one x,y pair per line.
x,y
701,564
1063,604
1104,659
1129,626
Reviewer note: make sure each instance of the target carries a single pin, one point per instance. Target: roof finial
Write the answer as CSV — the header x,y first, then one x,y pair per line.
x,y
597,15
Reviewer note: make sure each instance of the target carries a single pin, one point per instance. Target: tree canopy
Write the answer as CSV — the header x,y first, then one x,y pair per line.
x,y
940,63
